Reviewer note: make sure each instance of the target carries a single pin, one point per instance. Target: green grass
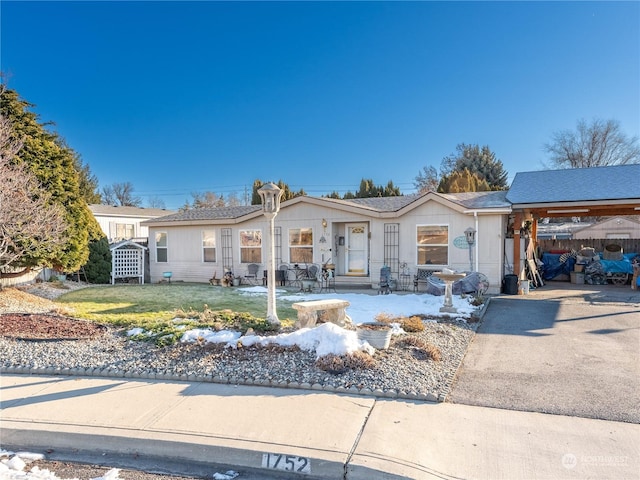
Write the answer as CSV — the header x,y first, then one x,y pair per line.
x,y
153,307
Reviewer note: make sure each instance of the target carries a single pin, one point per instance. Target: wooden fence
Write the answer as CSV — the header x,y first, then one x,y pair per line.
x,y
629,245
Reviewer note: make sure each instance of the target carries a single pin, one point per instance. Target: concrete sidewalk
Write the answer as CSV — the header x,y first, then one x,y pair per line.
x,y
342,436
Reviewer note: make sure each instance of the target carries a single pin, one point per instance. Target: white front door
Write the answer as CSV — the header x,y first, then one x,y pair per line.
x,y
357,249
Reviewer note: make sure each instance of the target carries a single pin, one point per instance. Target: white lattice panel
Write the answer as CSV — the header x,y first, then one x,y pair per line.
x,y
127,262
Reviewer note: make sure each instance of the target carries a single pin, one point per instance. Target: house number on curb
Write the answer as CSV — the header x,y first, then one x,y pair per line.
x,y
288,463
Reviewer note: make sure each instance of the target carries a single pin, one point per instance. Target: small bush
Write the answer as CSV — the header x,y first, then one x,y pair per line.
x,y
412,324
98,267
384,317
341,363
424,347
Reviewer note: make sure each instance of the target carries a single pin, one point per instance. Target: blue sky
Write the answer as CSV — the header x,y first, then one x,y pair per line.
x,y
181,97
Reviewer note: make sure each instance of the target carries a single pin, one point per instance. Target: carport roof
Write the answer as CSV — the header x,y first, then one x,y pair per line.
x,y
576,185
595,191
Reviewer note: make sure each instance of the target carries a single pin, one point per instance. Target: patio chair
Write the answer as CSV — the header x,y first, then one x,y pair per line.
x,y
252,273
284,274
384,286
311,282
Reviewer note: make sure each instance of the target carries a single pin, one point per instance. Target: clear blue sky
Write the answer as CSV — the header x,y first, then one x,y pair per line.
x,y
179,97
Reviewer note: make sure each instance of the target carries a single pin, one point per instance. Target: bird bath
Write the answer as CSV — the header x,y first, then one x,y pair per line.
x,y
448,279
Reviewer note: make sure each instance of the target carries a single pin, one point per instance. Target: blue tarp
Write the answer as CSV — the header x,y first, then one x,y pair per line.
x,y
553,267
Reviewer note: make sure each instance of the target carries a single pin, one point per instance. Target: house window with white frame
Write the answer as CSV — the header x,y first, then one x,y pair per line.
x,y
208,245
250,246
125,231
432,244
301,245
161,247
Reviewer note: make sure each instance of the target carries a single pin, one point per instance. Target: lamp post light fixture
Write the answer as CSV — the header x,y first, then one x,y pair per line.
x,y
470,234
270,195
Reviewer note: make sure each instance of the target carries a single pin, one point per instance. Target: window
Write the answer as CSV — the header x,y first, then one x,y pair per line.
x,y
301,245
208,245
125,230
433,244
161,247
250,246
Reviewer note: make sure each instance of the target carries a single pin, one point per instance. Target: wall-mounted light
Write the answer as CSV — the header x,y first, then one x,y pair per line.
x,y
470,234
324,223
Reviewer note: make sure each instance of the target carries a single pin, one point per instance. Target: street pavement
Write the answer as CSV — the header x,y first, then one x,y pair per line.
x,y
192,425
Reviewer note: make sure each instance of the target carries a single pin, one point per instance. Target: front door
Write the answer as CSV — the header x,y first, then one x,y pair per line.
x,y
357,249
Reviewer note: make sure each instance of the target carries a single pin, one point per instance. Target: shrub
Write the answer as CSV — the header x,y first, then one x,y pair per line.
x,y
412,324
384,317
340,363
98,267
424,347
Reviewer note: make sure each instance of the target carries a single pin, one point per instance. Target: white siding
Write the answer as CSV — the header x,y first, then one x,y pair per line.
x,y
185,242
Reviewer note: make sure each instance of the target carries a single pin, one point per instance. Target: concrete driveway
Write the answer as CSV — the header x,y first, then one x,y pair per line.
x,y
564,349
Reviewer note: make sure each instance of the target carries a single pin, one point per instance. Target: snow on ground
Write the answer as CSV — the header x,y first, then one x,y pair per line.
x,y
329,338
323,339
15,466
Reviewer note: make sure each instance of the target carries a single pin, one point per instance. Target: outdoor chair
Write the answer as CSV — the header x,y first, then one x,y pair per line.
x,y
384,286
252,273
311,281
284,274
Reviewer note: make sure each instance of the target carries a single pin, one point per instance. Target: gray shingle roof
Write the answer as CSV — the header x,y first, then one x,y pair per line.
x,y
576,185
478,200
221,213
129,211
383,204
470,200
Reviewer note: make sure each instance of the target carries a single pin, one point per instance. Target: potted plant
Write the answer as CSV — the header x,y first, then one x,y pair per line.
x,y
378,334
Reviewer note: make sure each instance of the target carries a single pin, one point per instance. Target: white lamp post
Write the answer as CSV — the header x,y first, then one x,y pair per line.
x,y
270,195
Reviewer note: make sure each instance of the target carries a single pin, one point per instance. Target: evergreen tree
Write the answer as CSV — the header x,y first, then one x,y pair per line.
x,y
464,181
287,194
98,267
479,161
368,189
55,167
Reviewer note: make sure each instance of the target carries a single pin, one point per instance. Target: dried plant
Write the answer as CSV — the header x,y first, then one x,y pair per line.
x,y
427,349
412,324
340,363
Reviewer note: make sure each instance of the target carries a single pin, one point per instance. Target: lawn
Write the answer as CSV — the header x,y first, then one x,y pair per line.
x,y
148,305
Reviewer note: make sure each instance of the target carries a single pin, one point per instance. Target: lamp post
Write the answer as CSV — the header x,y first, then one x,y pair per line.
x,y
470,233
270,195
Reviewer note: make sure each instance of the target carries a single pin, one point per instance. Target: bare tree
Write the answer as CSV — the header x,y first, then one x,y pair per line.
x,y
597,144
427,180
31,227
205,200
120,195
156,202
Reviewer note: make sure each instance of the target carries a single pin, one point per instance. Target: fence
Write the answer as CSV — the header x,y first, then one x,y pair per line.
x,y
629,245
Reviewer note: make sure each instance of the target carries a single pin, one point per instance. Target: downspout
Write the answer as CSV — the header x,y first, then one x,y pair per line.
x,y
475,216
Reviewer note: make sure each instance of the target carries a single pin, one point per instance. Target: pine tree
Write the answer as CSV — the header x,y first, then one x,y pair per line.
x,y
55,166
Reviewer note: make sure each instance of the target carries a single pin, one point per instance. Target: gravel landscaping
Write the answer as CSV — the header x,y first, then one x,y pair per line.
x,y
404,370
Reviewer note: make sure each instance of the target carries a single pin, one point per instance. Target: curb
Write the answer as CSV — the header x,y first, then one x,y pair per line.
x,y
107,373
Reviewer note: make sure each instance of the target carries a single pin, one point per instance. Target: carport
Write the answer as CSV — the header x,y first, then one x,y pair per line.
x,y
596,191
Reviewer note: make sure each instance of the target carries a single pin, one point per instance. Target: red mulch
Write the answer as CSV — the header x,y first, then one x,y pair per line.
x,y
37,326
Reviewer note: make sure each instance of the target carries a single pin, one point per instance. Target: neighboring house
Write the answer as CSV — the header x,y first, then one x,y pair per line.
x,y
124,223
559,231
612,228
358,236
